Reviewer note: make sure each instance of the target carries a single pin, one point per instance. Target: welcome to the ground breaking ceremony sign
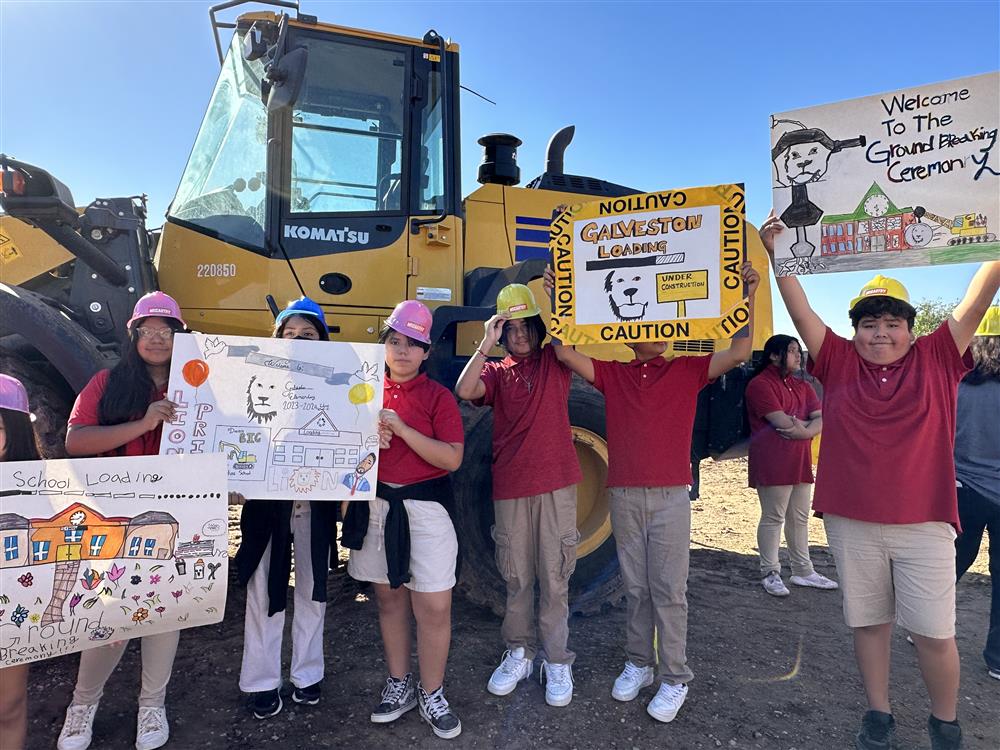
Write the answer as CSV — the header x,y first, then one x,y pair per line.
x,y
650,267
908,178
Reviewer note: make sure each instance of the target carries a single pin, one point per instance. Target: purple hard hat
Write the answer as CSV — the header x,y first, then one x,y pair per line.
x,y
156,304
413,319
12,395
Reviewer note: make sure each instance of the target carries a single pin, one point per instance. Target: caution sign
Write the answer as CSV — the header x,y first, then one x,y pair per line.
x,y
650,267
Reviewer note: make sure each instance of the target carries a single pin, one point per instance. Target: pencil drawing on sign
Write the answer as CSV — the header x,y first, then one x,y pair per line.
x,y
77,572
918,186
291,417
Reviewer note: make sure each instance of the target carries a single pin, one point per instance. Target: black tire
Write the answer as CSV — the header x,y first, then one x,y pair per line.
x,y
49,398
596,584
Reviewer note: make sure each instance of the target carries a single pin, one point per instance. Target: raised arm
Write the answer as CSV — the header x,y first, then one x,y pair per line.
x,y
741,348
810,326
965,318
579,363
470,385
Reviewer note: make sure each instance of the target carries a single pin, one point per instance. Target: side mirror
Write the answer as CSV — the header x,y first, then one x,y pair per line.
x,y
286,76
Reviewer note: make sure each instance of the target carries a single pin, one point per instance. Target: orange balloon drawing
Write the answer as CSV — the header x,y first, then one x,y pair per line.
x,y
195,372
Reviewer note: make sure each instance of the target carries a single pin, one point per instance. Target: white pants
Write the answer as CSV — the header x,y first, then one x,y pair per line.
x,y
261,668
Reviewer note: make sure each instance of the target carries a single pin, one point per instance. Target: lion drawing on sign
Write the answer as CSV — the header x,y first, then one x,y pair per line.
x,y
259,395
623,288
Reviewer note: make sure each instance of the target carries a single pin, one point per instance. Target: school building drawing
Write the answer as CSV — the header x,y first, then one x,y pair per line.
x,y
316,444
875,226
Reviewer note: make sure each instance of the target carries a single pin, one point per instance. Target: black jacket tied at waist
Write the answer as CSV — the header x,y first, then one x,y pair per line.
x,y
397,523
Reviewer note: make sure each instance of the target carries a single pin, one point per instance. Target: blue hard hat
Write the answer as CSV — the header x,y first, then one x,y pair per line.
x,y
303,306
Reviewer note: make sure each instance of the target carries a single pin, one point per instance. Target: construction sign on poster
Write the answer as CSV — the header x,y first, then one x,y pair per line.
x,y
97,550
294,418
907,178
650,267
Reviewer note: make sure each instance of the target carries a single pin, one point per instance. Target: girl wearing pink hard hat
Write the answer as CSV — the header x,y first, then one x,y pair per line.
x,y
404,541
120,412
17,443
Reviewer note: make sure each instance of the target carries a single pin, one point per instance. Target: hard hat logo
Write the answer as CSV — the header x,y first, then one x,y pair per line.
x,y
416,326
517,308
877,291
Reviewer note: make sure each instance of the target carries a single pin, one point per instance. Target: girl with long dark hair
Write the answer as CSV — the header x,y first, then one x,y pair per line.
x,y
784,416
264,562
121,413
17,443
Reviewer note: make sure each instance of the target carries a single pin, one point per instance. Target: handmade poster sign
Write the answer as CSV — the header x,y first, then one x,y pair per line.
x,y
908,178
293,418
650,267
103,549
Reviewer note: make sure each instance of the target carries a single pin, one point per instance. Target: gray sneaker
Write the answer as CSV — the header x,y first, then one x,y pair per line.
x,y
398,697
435,711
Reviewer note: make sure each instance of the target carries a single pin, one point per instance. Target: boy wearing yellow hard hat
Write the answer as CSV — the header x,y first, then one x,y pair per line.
x,y
535,472
977,469
886,482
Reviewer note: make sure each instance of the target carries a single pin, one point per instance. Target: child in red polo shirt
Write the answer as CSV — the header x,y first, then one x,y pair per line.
x,y
121,413
784,417
535,472
650,404
886,480
409,548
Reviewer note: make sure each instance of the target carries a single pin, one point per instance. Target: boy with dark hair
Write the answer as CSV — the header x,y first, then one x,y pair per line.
x,y
888,500
648,495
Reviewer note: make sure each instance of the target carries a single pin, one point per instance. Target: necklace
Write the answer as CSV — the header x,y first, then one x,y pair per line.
x,y
524,379
527,383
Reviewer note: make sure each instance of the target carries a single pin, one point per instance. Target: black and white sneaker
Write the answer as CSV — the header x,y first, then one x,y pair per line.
x,y
398,697
309,695
435,710
266,704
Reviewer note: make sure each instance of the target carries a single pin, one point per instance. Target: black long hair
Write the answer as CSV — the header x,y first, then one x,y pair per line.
x,y
986,355
778,344
129,389
536,329
22,443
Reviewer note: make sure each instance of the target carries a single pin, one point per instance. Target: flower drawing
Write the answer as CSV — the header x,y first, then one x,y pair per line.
x,y
35,617
91,579
73,601
140,614
26,580
19,615
154,579
136,580
116,572
160,611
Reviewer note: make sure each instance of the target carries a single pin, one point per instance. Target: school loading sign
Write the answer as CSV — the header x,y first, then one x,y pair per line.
x,y
650,267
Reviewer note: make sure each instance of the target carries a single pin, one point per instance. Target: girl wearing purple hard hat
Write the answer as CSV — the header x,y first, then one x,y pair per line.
x,y
272,530
17,443
121,412
404,541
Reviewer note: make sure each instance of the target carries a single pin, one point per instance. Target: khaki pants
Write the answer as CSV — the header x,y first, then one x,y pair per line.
x,y
97,664
785,505
652,528
536,538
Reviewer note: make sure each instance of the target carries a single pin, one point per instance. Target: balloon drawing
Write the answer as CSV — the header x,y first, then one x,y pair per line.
x,y
195,372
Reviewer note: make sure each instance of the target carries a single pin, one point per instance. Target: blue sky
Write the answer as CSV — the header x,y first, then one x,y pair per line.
x,y
108,96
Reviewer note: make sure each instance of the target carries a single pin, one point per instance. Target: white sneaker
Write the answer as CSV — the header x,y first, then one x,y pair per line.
x,y
774,585
631,681
558,679
78,728
513,668
152,730
667,702
816,581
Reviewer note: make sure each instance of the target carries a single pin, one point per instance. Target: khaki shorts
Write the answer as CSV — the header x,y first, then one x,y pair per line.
x,y
433,547
901,572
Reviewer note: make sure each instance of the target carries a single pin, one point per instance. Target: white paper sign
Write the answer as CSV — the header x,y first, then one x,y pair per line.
x,y
94,550
295,419
906,178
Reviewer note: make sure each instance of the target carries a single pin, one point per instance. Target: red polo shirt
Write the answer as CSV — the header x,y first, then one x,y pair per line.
x,y
532,443
650,410
887,454
431,410
773,459
85,413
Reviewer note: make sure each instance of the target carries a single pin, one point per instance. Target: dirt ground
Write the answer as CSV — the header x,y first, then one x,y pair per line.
x,y
769,673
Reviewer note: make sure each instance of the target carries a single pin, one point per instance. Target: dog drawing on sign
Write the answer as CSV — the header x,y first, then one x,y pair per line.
x,y
623,288
259,395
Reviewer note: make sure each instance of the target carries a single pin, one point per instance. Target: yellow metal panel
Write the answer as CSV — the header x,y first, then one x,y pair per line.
x,y
378,276
436,264
26,252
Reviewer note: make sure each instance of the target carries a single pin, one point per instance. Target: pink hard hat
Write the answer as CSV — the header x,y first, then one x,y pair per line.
x,y
12,395
413,319
156,304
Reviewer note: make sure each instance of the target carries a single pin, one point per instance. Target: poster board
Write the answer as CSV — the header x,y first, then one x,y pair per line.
x,y
650,267
295,419
903,179
94,550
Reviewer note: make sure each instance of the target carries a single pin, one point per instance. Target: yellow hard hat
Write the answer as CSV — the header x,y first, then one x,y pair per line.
x,y
990,324
882,286
517,301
